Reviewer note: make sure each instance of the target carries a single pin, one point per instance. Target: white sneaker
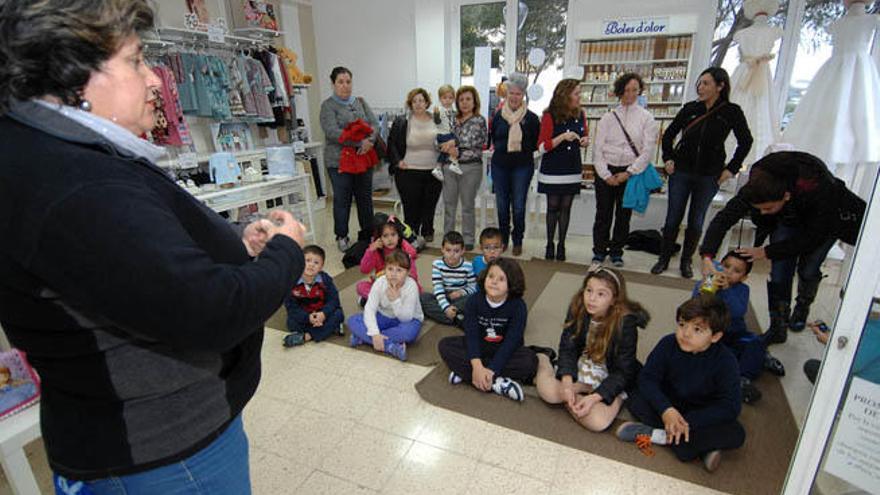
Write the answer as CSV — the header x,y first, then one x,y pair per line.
x,y
506,387
455,168
343,244
437,173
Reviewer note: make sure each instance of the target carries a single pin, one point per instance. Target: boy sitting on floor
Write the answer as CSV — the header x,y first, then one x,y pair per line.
x,y
491,245
453,280
313,309
688,394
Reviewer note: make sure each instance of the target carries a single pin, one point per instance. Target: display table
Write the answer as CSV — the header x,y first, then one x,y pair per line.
x,y
17,431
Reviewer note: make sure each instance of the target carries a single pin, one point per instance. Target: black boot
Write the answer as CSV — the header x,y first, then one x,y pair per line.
x,y
560,252
779,315
691,240
550,252
666,250
806,294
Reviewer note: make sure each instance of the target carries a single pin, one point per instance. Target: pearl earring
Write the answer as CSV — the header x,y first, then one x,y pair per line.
x,y
85,105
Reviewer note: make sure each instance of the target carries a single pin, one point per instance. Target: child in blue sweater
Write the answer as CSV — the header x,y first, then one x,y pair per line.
x,y
491,354
749,349
491,245
688,394
313,309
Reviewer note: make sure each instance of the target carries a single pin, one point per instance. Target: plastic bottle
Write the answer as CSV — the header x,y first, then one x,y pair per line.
x,y
709,286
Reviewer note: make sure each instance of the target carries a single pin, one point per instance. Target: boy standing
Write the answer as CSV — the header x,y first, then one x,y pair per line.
x,y
313,309
454,282
491,245
688,393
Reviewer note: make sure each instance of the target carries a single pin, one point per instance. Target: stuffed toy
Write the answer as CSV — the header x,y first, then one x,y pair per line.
x,y
296,76
350,161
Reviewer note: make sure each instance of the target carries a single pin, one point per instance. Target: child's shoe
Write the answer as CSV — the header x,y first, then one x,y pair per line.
x,y
437,173
712,460
506,387
395,349
750,393
629,430
294,339
354,341
454,379
362,301
458,320
773,365
341,330
455,168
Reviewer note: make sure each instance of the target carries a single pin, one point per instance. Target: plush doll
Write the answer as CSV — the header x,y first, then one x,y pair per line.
x,y
296,76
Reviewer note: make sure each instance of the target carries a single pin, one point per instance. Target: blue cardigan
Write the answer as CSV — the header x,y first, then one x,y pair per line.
x,y
639,187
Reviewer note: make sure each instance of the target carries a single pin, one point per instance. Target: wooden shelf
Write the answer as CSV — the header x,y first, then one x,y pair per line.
x,y
614,103
638,62
609,83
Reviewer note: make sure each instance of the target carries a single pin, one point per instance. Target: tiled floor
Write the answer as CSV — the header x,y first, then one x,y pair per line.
x,y
327,420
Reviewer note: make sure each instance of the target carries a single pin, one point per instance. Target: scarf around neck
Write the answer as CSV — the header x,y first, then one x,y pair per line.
x,y
339,100
513,118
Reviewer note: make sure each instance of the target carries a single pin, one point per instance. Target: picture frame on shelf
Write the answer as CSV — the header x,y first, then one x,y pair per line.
x,y
232,137
200,9
255,14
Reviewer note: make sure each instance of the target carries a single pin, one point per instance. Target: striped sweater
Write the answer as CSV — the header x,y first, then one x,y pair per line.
x,y
448,279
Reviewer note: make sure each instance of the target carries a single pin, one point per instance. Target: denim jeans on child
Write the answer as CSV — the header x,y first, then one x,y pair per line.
x,y
396,331
699,189
511,185
221,468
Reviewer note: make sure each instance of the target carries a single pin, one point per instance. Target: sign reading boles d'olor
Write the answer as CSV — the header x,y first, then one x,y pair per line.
x,y
635,26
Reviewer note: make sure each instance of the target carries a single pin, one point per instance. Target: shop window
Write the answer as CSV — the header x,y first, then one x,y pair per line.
x,y
541,30
482,24
729,19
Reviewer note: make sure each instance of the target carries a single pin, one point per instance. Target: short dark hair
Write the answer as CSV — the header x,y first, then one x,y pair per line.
x,y
53,47
622,81
316,250
516,280
763,187
338,70
454,238
707,307
747,261
490,233
398,257
720,76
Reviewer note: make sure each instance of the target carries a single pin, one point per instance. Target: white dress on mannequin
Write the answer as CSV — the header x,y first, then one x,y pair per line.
x,y
838,119
751,86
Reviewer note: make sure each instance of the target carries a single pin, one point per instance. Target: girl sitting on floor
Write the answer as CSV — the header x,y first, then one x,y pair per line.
x,y
392,316
387,237
597,351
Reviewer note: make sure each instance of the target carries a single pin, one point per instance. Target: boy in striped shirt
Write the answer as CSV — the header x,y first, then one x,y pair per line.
x,y
453,280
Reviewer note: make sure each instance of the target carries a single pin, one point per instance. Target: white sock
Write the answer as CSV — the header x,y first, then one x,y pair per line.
x,y
658,437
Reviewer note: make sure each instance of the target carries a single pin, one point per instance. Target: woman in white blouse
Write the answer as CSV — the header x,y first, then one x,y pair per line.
x,y
625,141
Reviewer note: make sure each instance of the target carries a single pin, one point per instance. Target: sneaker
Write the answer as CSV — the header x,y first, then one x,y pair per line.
x,y
712,460
341,330
750,393
429,238
506,387
773,365
354,341
599,258
420,243
455,168
294,339
362,301
458,320
454,379
395,349
343,243
629,430
437,173
617,261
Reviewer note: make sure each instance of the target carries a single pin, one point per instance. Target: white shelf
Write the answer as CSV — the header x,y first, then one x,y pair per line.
x,y
609,83
638,62
614,103
174,34
257,33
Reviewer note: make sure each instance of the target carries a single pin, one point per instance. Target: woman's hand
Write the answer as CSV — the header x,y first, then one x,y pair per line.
x,y
621,177
402,165
447,146
725,176
379,342
366,146
571,136
611,181
753,253
585,140
255,236
670,167
283,223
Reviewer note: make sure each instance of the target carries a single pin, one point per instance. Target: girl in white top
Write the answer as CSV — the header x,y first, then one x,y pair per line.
x,y
625,141
393,315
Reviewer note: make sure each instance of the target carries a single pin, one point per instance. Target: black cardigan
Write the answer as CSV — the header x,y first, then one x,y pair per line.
x,y
821,207
397,143
701,149
620,357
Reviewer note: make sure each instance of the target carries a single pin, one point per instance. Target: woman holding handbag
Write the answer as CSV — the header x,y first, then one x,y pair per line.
x,y
624,144
696,164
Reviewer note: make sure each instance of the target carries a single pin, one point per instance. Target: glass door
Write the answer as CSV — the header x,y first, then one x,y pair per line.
x,y
839,448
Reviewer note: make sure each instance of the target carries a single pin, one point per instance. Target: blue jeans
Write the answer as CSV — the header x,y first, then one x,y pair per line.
x,y
220,468
511,185
346,186
807,265
699,189
396,331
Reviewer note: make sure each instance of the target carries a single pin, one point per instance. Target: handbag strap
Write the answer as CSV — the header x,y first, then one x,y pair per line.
x,y
703,117
626,134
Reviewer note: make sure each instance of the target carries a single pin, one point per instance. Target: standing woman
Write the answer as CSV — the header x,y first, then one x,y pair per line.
x,y
515,138
696,163
412,155
470,136
563,134
341,109
623,147
140,307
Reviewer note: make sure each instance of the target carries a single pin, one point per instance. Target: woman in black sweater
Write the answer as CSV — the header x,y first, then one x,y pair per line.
x,y
696,164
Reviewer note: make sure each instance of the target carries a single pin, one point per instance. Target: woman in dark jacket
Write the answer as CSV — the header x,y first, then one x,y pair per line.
x,y
795,201
696,165
412,154
597,351
141,308
515,138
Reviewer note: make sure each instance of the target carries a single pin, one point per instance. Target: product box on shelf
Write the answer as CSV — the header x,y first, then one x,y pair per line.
x,y
255,14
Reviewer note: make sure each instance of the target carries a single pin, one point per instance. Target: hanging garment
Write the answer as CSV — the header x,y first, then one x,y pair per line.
x,y
838,119
751,87
218,88
185,80
261,85
236,100
171,127
240,82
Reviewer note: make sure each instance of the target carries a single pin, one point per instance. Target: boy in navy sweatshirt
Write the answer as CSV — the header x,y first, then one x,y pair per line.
x,y
313,309
688,393
491,354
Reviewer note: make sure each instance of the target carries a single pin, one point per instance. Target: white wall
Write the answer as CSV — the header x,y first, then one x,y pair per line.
x,y
375,39
431,59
